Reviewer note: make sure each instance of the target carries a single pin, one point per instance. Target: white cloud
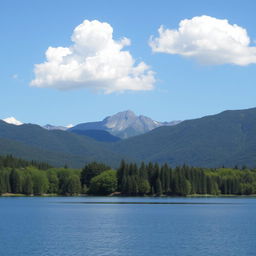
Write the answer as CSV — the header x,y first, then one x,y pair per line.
x,y
95,61
208,40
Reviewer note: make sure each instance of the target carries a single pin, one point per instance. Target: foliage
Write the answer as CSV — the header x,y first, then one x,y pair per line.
x,y
104,183
128,179
10,161
40,182
73,185
154,180
91,170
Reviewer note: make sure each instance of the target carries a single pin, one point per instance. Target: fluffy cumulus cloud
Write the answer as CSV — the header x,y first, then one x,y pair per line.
x,y
96,61
208,40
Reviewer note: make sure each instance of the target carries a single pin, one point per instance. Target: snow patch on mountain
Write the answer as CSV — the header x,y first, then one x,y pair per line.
x,y
12,120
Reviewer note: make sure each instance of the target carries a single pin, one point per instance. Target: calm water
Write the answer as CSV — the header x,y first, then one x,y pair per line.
x,y
70,226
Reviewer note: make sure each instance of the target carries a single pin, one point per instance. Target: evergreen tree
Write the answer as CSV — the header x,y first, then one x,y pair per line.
x,y
2,183
15,181
158,190
120,174
91,170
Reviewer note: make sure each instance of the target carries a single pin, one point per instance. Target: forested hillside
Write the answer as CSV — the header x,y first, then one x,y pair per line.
x,y
228,139
55,147
98,135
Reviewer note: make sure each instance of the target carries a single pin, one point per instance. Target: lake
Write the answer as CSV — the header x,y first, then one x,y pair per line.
x,y
121,226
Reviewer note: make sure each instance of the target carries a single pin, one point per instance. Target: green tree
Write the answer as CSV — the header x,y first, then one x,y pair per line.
x,y
15,181
2,183
120,174
91,170
158,190
186,188
144,187
53,182
104,184
246,189
28,184
73,185
40,182
7,186
63,176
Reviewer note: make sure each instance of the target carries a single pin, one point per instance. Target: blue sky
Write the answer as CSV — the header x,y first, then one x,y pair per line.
x,y
184,87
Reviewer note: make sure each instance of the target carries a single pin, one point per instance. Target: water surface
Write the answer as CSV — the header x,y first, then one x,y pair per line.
x,y
92,226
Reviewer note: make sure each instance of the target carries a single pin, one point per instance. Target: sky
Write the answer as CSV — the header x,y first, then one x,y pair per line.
x,y
67,62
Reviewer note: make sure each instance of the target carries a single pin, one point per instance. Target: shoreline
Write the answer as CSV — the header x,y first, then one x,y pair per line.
x,y
119,195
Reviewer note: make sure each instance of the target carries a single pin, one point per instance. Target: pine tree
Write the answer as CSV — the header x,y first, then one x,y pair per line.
x,y
2,184
91,170
158,190
15,181
120,174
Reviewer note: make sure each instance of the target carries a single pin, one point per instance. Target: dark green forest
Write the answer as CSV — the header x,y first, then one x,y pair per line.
x,y
18,176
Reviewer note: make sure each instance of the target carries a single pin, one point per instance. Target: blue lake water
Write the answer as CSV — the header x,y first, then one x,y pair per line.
x,y
81,227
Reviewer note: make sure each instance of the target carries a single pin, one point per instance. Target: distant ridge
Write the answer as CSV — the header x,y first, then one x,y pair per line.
x,y
228,139
98,135
56,147
124,124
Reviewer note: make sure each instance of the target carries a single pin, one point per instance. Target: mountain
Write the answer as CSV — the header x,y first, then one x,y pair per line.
x,y
50,127
53,127
55,147
12,120
98,135
123,124
228,138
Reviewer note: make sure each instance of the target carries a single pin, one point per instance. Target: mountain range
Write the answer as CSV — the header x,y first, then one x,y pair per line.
x,y
124,124
228,138
56,147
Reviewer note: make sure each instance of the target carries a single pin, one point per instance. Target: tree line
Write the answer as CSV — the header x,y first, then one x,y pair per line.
x,y
153,179
18,176
13,162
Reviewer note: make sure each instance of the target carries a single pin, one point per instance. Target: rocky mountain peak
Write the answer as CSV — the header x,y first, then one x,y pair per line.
x,y
123,124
